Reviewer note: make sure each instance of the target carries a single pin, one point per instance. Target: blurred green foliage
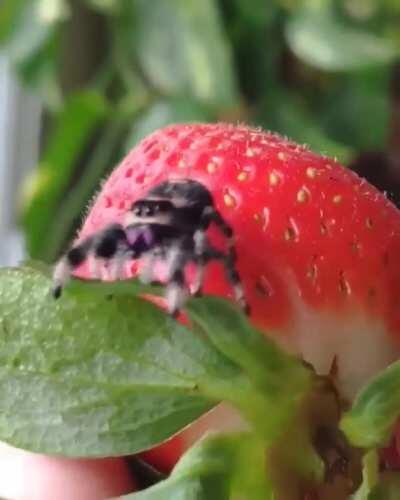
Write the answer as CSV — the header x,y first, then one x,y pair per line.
x,y
111,71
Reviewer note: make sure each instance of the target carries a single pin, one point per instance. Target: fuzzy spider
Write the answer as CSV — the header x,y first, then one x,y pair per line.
x,y
169,224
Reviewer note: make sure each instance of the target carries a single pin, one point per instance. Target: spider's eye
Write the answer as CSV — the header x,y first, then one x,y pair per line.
x,y
164,206
147,210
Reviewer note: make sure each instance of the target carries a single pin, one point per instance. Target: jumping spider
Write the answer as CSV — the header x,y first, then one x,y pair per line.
x,y
169,224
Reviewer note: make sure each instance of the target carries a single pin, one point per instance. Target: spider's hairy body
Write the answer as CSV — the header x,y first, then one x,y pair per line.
x,y
168,224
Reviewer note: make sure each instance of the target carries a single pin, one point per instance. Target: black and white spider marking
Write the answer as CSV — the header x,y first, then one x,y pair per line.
x,y
170,224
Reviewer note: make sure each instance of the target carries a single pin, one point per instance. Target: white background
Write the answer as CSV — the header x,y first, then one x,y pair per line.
x,y
19,144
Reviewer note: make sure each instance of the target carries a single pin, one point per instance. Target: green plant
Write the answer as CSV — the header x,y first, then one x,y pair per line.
x,y
136,376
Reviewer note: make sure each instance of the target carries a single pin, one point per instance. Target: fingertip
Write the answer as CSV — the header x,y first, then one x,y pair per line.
x,y
31,476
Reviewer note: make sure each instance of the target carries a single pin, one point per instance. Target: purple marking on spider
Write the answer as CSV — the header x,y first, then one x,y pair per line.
x,y
148,236
139,238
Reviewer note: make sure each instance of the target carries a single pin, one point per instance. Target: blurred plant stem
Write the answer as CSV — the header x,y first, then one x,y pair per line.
x,y
70,211
394,127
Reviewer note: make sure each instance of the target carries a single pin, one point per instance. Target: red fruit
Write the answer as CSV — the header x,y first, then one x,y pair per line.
x,y
166,455
318,247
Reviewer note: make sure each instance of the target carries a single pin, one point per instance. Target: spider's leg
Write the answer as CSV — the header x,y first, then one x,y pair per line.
x,y
176,292
201,259
68,262
210,215
200,246
211,253
147,266
117,269
102,245
234,279
111,245
94,266
199,278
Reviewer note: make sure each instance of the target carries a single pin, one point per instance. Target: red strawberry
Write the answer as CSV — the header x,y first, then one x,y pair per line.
x,y
317,246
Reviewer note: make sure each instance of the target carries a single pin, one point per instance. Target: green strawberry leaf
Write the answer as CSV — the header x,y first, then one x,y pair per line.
x,y
216,468
375,410
279,378
102,372
91,376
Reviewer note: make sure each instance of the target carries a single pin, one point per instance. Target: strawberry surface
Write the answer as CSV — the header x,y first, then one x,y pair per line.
x,y
317,245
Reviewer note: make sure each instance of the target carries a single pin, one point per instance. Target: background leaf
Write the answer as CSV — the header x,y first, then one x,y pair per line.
x,y
107,6
294,119
76,199
23,28
320,39
164,112
182,49
357,110
30,37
